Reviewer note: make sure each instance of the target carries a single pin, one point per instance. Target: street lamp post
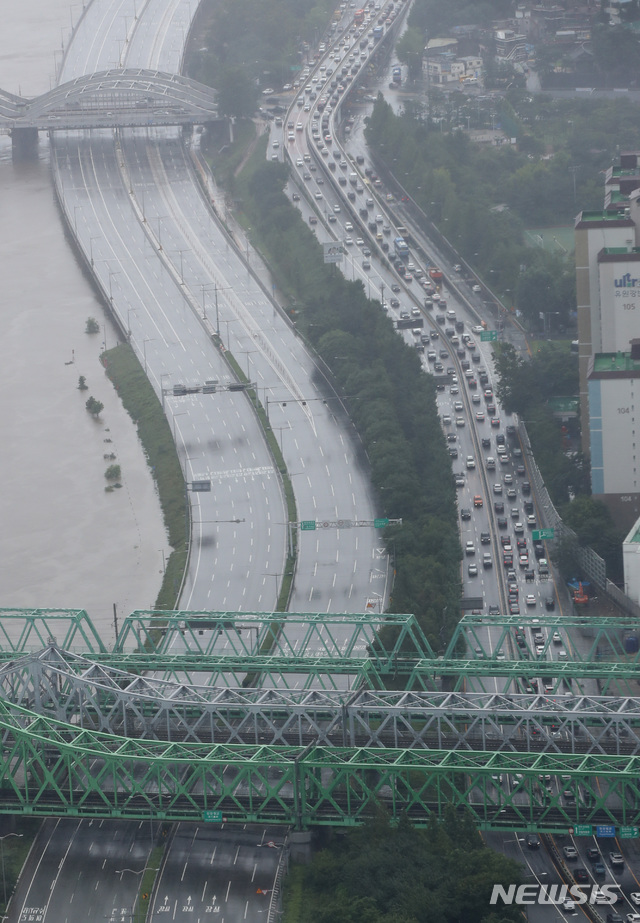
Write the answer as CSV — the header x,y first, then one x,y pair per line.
x,y
4,880
144,351
91,240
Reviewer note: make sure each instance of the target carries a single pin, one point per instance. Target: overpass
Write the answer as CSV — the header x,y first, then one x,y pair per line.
x,y
88,732
117,98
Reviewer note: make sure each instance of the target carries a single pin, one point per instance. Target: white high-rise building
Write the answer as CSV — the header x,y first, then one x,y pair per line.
x,y
608,296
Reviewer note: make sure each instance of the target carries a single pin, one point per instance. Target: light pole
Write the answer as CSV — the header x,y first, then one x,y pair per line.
x,y
247,353
4,880
91,240
112,272
144,351
184,250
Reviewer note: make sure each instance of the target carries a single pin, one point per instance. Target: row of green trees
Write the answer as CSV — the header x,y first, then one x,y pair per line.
x,y
477,197
254,44
391,402
381,873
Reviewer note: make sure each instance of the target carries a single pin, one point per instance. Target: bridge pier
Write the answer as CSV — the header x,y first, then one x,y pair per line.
x,y
24,143
300,845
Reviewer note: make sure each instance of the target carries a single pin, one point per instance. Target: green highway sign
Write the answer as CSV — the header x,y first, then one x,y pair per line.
x,y
308,525
539,535
582,830
213,816
488,335
629,833
380,523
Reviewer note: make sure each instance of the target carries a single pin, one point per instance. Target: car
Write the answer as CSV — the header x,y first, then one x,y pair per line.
x,y
318,196
498,506
395,287
580,875
475,398
508,478
532,841
570,852
599,869
465,513
616,859
471,462
295,197
593,855
495,422
634,897
555,637
497,488
453,452
472,570
530,599
479,416
478,501
485,538
613,917
501,522
486,442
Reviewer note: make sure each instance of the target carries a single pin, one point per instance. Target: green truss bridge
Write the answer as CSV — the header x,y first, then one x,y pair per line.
x,y
312,719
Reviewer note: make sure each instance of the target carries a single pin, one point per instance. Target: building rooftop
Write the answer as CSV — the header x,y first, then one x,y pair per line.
x,y
602,217
615,362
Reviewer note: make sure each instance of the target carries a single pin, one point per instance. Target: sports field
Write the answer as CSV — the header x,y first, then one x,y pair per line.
x,y
554,239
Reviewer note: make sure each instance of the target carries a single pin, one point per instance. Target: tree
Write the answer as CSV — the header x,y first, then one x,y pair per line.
x,y
409,50
82,383
236,94
92,326
113,473
94,407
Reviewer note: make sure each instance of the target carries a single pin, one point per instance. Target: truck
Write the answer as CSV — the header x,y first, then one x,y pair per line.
x,y
358,17
409,323
378,32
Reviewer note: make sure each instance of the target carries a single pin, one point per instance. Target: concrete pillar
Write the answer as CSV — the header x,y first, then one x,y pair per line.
x,y
24,143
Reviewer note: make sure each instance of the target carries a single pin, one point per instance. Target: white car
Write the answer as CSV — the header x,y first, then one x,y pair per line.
x,y
348,241
530,599
477,329
634,897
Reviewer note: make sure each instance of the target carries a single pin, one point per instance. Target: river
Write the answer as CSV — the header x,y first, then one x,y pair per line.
x,y
65,542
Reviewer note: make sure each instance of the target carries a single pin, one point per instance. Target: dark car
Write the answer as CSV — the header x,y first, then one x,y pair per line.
x,y
485,538
498,506
532,841
593,854
526,487
486,442
549,603
502,522
465,513
453,452
580,875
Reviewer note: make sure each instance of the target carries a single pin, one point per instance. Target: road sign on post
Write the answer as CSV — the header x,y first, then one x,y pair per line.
x,y
629,833
582,830
487,335
308,525
540,535
607,830
213,816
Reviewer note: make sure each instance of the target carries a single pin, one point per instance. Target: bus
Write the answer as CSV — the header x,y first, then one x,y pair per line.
x,y
401,248
358,17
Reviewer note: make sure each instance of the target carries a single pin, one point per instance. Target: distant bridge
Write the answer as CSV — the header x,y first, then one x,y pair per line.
x,y
117,98
88,732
